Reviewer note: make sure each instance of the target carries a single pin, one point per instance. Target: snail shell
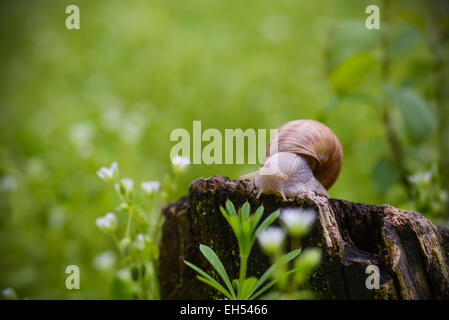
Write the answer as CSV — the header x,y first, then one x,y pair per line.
x,y
314,141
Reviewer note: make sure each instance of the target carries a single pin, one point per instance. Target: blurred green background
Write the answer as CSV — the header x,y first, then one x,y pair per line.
x,y
73,101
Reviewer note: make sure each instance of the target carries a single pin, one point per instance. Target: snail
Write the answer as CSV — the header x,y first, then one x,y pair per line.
x,y
304,155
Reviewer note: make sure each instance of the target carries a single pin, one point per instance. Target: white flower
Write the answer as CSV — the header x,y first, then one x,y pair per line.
x,y
421,178
150,187
141,241
8,183
109,174
108,223
298,220
104,260
180,163
125,186
9,294
271,239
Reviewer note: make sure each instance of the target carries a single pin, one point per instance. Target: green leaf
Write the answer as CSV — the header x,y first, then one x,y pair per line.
x,y
217,286
266,223
347,38
230,208
235,283
268,286
256,217
351,72
246,209
403,40
245,237
286,258
246,227
244,291
234,223
385,174
419,119
210,280
258,293
224,213
216,263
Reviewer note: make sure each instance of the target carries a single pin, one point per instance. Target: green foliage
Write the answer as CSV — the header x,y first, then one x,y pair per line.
x,y
350,73
347,38
138,246
393,70
246,229
427,192
417,115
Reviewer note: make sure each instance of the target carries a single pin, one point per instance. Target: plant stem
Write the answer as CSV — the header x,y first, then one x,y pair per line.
x,y
295,243
155,280
128,226
116,241
151,220
140,213
243,262
142,285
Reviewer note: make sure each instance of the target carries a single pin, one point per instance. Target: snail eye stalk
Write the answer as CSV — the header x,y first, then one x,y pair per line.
x,y
249,175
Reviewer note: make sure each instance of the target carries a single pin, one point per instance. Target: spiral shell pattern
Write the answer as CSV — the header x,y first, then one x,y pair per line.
x,y
316,142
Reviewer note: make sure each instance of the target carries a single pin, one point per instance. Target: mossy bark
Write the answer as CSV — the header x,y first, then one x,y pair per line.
x,y
411,252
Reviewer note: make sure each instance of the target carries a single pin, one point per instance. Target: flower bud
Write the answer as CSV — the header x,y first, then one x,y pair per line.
x,y
108,223
271,239
180,164
126,186
306,262
125,246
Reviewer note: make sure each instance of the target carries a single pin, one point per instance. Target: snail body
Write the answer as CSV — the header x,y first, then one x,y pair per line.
x,y
304,155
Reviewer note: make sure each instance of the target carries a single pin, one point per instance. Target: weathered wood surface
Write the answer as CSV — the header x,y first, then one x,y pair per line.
x,y
411,252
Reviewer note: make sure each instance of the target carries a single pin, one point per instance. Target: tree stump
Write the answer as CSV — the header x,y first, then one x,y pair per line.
x,y
411,252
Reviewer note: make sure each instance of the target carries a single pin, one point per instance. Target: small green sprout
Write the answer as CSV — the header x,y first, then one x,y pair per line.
x,y
246,228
